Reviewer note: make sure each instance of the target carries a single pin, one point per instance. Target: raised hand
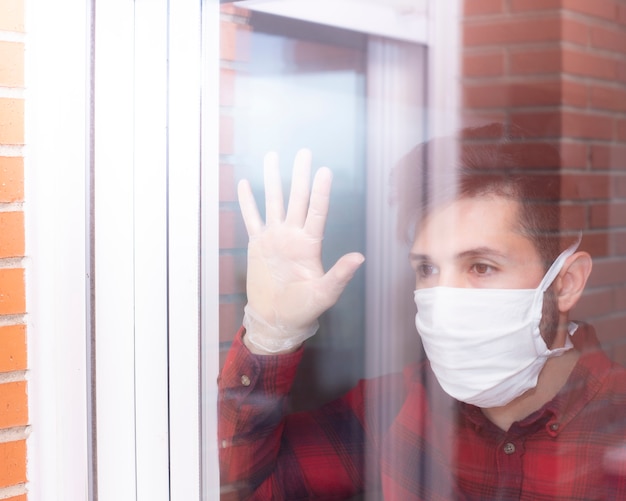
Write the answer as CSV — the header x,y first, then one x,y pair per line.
x,y
287,287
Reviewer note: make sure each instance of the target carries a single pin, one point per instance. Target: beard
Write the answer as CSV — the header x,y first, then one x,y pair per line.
x,y
549,325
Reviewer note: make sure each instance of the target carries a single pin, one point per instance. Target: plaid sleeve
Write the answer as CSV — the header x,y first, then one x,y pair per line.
x,y
268,455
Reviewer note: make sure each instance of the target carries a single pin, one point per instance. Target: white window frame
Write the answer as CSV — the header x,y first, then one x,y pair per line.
x,y
151,150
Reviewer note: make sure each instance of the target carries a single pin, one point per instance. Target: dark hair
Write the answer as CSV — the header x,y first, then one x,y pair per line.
x,y
486,161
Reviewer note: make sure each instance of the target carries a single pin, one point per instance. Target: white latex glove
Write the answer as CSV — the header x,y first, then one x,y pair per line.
x,y
286,284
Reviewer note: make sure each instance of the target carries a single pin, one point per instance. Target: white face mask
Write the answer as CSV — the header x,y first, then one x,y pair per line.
x,y
484,345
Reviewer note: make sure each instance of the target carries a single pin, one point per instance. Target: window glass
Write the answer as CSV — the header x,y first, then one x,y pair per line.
x,y
479,160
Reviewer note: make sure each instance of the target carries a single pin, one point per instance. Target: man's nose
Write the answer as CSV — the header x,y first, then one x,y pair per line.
x,y
451,278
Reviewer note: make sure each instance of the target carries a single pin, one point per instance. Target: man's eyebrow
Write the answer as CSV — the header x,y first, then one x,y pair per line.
x,y
470,253
481,252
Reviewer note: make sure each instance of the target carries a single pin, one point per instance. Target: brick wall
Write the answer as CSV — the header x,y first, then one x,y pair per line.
x,y
13,399
233,240
558,69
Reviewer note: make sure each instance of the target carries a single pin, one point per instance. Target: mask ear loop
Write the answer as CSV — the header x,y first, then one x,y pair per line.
x,y
557,266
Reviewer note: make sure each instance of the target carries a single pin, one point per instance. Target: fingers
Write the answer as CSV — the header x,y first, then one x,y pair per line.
x,y
300,188
274,205
248,207
318,204
336,279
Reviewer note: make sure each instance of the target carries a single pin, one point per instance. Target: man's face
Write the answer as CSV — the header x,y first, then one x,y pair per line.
x,y
475,242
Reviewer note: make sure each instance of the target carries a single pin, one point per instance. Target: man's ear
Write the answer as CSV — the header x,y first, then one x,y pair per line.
x,y
572,280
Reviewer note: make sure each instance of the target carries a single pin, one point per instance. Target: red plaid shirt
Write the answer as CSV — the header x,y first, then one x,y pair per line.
x,y
402,438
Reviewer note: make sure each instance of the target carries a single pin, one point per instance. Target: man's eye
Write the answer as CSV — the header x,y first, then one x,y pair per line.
x,y
425,270
482,268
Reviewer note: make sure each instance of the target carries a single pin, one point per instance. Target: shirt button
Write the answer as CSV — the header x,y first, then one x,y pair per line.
x,y
509,448
554,426
245,380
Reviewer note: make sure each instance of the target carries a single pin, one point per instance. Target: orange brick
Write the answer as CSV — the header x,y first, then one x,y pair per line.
x,y
581,63
535,61
232,233
533,5
13,404
12,18
607,273
513,31
608,38
13,348
483,65
482,7
12,463
11,234
12,67
228,41
16,498
12,296
608,98
11,179
11,121
587,126
605,9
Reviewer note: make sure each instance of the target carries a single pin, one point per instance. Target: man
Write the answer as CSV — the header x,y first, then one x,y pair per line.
x,y
515,401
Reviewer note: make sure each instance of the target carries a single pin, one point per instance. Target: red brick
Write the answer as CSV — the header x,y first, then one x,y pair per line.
x,y
572,217
505,95
228,41
11,179
605,9
232,274
608,157
227,87
535,61
607,215
12,67
546,124
574,155
574,94
227,132
13,404
228,189
594,303
621,17
481,7
11,234
534,5
12,296
232,232
586,125
608,98
597,244
610,329
619,187
618,243
483,65
231,315
607,38
512,31
476,118
229,8
12,18
12,348
620,297
11,121
12,463
606,273
621,130
585,187
574,31
585,64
